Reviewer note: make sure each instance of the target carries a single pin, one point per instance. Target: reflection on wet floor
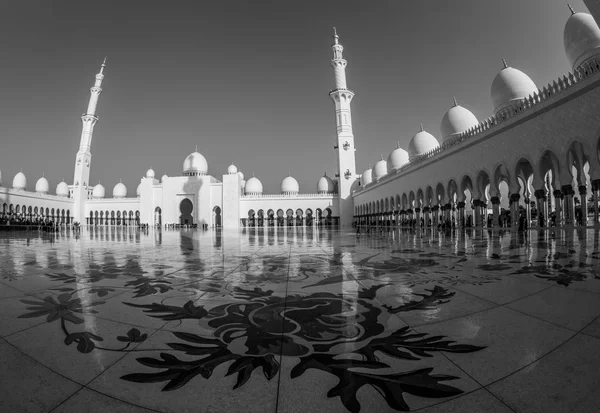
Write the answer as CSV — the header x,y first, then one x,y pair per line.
x,y
287,319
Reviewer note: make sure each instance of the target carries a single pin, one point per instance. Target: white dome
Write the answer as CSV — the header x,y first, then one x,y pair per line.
x,y
164,178
138,190
195,164
510,86
241,175
253,186
98,191
119,191
456,121
42,186
232,169
289,186
325,185
367,176
62,189
19,181
581,38
243,183
421,143
150,173
380,169
397,159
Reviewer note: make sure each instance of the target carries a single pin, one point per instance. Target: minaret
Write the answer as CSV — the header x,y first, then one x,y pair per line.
x,y
81,177
344,142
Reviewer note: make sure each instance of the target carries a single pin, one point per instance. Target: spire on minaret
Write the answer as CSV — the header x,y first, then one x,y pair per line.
x,y
397,144
504,63
103,65
421,126
571,8
455,102
336,38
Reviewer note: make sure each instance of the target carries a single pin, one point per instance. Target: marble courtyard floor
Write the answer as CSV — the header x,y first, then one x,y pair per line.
x,y
300,320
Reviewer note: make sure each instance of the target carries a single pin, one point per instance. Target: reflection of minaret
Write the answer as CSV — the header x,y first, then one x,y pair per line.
x,y
81,177
344,143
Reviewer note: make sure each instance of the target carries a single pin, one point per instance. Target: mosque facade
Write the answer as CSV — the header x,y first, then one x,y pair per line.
x,y
542,144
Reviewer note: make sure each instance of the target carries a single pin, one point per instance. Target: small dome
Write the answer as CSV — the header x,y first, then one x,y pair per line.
x,y
150,173
119,191
380,170
232,169
62,189
510,86
456,121
290,186
138,190
164,178
19,181
581,38
98,191
397,159
421,143
241,175
367,176
42,186
243,183
195,164
325,185
253,186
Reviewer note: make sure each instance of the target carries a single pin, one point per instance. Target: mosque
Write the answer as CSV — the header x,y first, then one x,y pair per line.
x,y
541,144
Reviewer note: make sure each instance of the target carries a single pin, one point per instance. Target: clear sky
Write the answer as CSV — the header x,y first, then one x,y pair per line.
x,y
248,81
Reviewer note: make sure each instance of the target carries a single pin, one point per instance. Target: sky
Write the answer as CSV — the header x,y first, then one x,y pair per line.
x,y
248,81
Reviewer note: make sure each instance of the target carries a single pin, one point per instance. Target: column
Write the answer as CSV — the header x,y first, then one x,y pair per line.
x,y
476,213
584,207
542,208
514,209
461,214
558,207
595,190
495,211
568,207
527,213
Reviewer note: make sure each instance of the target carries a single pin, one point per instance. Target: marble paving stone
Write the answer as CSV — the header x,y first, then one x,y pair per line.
x,y
12,308
26,386
479,401
566,380
593,329
512,340
505,290
562,306
86,400
216,393
7,291
80,360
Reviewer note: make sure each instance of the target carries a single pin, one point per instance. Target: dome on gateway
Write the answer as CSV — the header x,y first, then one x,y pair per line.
x,y
289,186
397,159
380,169
119,191
253,186
421,143
232,169
456,121
510,86
367,176
98,191
150,173
581,38
42,186
195,164
138,190
19,181
325,185
62,189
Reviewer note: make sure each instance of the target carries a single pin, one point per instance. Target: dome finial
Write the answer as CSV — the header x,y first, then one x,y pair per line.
x,y
455,102
382,157
196,148
504,63
336,38
421,126
571,8
397,144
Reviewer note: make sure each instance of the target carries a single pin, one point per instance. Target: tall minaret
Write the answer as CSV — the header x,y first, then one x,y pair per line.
x,y
344,142
81,177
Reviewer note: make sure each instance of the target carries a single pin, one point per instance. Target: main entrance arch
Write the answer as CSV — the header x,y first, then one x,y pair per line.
x,y
186,207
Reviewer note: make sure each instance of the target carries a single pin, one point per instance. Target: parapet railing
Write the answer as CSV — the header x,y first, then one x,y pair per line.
x,y
287,196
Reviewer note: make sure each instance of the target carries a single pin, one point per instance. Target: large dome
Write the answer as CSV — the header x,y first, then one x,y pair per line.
x,y
164,178
195,164
421,143
19,181
289,186
98,191
367,176
397,159
253,186
232,169
62,189
325,185
581,38
380,169
456,121
42,186
119,191
510,86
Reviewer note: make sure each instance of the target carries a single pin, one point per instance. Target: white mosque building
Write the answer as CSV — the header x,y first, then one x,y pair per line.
x,y
541,143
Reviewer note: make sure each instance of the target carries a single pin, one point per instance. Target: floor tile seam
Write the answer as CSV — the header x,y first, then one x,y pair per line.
x,y
589,324
105,395
25,329
509,302
573,330
551,283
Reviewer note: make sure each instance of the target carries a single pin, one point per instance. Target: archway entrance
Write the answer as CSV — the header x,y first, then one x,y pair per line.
x,y
186,207
157,217
217,217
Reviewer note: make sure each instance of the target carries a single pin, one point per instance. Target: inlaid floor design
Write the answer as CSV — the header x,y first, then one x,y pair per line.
x,y
300,320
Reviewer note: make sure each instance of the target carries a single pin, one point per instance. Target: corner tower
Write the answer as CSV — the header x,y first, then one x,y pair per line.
x,y
81,176
344,142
